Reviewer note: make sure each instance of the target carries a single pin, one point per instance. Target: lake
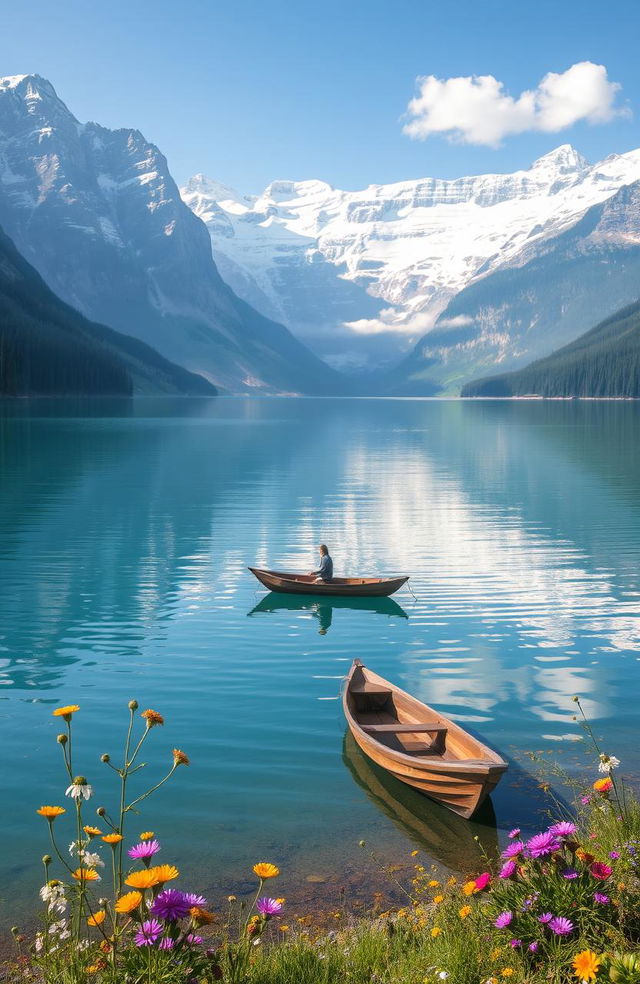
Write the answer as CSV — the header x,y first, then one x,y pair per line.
x,y
125,534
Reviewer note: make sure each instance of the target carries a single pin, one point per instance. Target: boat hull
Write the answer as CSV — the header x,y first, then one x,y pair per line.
x,y
460,774
339,587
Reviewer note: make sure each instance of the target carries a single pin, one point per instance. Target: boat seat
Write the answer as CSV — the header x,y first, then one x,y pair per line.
x,y
404,729
370,697
370,688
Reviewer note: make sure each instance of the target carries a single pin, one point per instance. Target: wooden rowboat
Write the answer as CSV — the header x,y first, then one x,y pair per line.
x,y
306,584
417,745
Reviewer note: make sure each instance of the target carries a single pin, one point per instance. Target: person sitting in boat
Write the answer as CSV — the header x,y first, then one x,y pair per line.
x,y
325,571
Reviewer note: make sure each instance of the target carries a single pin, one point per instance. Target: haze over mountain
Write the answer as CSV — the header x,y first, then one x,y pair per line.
x,y
99,216
382,268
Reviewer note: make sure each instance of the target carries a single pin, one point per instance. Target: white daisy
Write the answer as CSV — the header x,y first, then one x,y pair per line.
x,y
79,789
92,860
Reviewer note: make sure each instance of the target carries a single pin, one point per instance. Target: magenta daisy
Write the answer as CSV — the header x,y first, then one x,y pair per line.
x,y
546,917
542,844
514,833
513,850
515,943
148,933
194,899
600,870
268,907
561,926
503,920
570,874
144,850
563,829
533,947
171,905
482,881
601,898
508,869
194,939
166,943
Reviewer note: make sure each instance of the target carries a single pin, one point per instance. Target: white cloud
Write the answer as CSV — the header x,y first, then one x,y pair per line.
x,y
477,109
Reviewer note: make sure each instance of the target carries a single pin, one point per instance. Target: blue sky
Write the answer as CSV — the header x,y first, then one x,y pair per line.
x,y
249,91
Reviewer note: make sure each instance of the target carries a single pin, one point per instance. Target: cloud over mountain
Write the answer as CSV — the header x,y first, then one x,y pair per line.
x,y
477,109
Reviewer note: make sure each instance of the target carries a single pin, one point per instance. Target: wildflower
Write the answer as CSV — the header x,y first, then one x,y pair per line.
x,y
570,874
170,905
482,881
146,835
79,789
542,844
231,898
503,920
600,898
267,906
433,883
97,918
91,859
202,917
507,972
614,855
443,975
165,873
266,870
66,712
128,902
561,926
584,856
513,850
608,763
586,965
85,875
179,758
507,870
545,918
585,800
438,899
143,850
600,870
563,829
533,947
514,833
141,879
194,939
53,894
166,943
92,832
436,931
603,785
148,933
112,839
464,911
469,888
194,899
51,812
414,853
152,718
515,943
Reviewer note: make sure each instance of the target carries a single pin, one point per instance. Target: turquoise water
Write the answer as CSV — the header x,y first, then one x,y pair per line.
x,y
125,534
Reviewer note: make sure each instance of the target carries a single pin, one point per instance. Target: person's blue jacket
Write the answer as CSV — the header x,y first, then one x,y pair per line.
x,y
325,570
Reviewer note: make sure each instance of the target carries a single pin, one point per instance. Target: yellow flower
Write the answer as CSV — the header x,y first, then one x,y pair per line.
x,y
85,874
165,873
112,838
93,968
97,919
603,785
283,929
281,901
66,712
586,965
179,758
152,718
142,879
438,899
436,931
51,812
469,887
507,972
92,831
413,854
146,835
128,902
433,883
464,911
266,870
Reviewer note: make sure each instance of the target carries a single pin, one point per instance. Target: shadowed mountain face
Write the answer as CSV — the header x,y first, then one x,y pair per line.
x,y
48,348
604,362
98,214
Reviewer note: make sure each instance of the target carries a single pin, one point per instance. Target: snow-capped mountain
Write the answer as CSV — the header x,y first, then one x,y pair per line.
x,y
98,215
365,273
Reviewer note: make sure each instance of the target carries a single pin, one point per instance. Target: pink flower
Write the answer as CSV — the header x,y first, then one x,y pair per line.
x,y
513,850
600,898
542,844
561,926
600,870
508,869
503,920
143,850
546,917
482,881
533,947
268,907
563,829
515,943
514,833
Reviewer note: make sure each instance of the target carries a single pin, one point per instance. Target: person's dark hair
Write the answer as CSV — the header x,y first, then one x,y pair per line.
x,y
324,550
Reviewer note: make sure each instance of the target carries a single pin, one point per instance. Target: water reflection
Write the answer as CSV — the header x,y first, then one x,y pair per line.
x,y
446,837
322,609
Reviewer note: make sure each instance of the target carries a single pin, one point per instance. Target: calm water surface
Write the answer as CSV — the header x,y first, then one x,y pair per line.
x,y
125,534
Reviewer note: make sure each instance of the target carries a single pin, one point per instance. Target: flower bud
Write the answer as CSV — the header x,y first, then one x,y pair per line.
x,y
103,903
46,859
105,758
133,705
575,699
62,739
362,843
101,811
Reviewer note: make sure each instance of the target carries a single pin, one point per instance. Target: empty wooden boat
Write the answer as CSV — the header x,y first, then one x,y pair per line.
x,y
418,745
306,584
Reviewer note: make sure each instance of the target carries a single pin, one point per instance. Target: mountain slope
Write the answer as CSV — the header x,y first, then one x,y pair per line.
x,y
48,348
97,213
604,362
380,265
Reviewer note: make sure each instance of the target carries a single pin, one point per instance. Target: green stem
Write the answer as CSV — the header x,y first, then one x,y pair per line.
x,y
152,790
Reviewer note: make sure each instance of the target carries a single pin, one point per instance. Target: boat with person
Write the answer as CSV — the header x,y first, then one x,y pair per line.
x,y
355,587
417,744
